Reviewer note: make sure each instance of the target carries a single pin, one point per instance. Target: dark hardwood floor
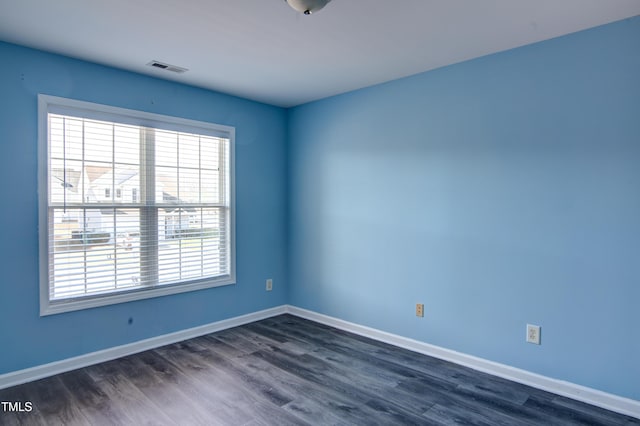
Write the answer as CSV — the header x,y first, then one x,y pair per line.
x,y
289,371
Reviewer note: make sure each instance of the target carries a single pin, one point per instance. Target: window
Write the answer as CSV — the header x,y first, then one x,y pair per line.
x,y
174,233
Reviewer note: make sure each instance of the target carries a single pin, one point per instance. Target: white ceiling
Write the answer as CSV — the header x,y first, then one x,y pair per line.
x,y
263,50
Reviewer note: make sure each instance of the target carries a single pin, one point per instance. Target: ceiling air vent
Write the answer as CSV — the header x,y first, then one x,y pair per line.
x,y
168,67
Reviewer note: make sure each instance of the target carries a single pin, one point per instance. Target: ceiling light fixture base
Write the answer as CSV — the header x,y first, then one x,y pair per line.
x,y
307,6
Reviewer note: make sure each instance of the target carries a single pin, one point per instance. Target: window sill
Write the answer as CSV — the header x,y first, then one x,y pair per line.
x,y
69,305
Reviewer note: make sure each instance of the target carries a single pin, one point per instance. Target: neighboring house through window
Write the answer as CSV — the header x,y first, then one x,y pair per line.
x,y
174,233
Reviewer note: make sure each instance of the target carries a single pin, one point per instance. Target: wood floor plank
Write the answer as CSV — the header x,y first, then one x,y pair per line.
x,y
314,413
176,365
461,399
21,394
236,376
306,367
343,341
372,361
573,412
218,380
174,401
327,400
55,402
91,400
125,397
313,401
585,411
374,380
287,370
464,415
233,338
265,342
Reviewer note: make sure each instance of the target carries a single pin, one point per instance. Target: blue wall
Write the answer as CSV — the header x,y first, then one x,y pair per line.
x,y
498,192
26,339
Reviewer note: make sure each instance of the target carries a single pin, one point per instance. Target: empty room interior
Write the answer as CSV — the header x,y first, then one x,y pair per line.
x,y
304,212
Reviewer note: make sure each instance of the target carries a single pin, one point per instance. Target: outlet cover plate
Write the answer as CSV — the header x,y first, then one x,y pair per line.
x,y
533,334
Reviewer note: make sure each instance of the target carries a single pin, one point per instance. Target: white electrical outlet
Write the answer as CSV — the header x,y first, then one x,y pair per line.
x,y
269,284
533,334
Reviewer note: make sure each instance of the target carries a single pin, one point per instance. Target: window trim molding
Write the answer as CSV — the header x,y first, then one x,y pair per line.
x,y
53,104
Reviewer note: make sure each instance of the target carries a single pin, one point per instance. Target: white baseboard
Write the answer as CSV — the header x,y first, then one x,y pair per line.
x,y
47,370
591,396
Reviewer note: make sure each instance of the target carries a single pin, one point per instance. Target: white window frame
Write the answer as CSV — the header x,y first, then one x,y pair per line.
x,y
57,105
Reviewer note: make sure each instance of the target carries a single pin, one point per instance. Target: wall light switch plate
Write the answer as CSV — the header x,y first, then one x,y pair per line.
x,y
269,285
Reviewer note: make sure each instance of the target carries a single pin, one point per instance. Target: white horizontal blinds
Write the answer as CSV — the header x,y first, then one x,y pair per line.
x,y
132,207
192,216
89,223
224,191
